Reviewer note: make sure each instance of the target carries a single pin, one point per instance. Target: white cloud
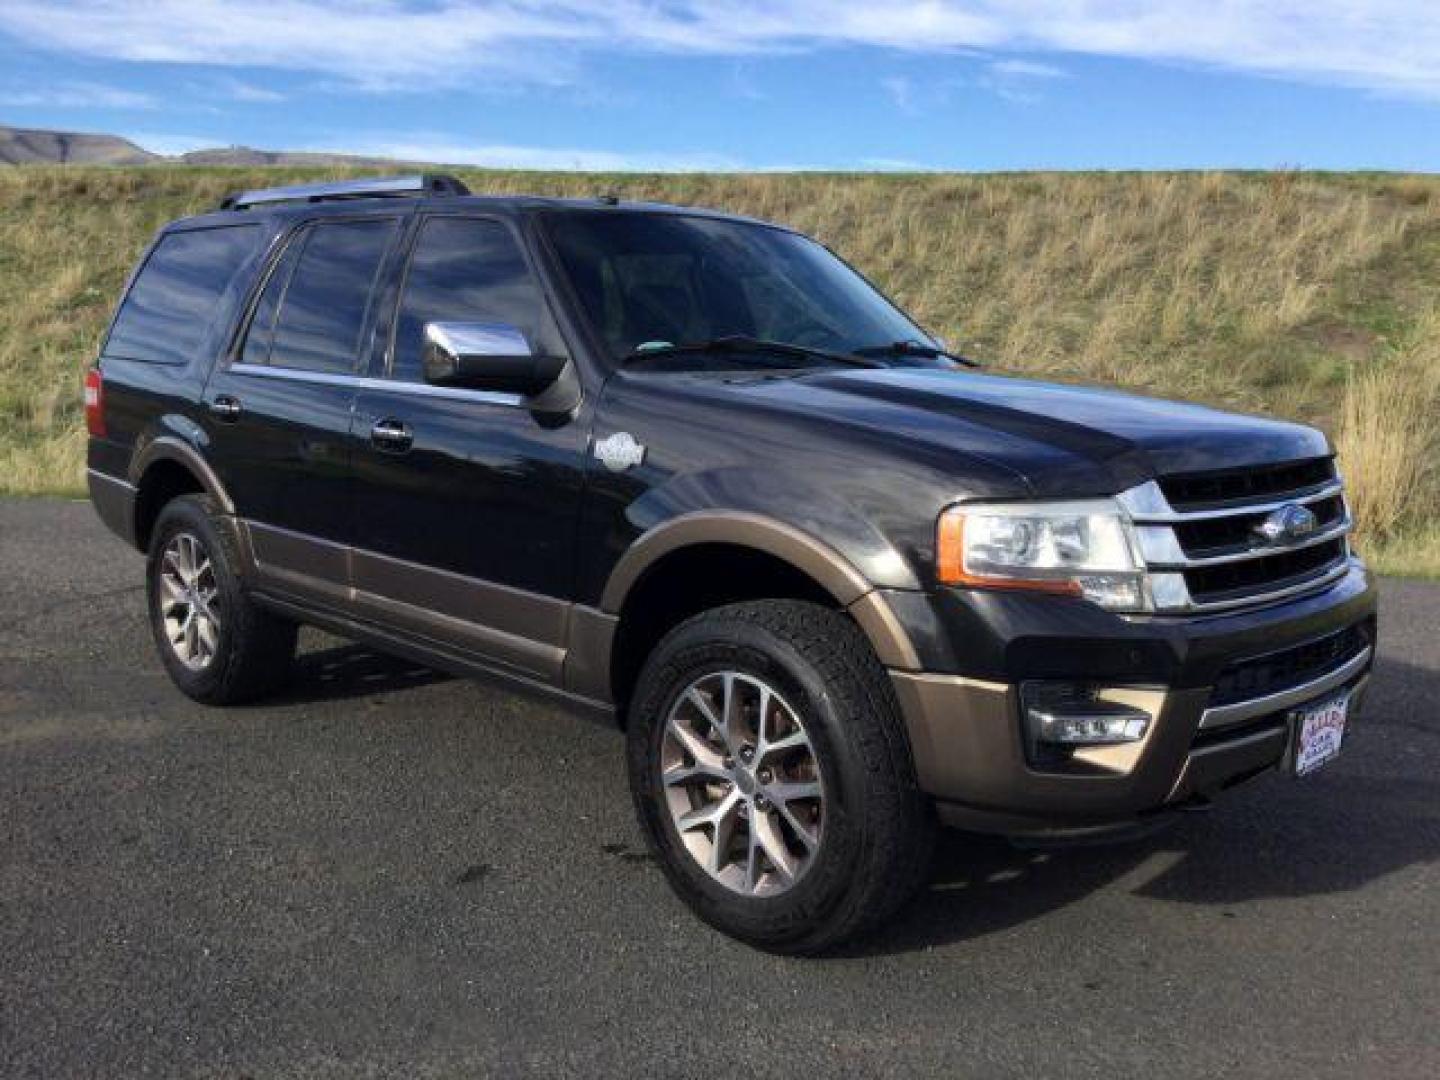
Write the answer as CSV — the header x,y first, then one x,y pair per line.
x,y
446,150
75,95
888,164
1386,45
245,92
901,91
170,145
1025,69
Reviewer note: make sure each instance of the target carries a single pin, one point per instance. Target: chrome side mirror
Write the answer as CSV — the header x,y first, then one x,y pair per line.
x,y
486,356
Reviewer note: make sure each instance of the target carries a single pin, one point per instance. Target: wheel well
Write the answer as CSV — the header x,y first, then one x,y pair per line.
x,y
163,481
689,581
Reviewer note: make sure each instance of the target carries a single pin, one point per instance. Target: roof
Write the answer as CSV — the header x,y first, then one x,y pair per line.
x,y
427,191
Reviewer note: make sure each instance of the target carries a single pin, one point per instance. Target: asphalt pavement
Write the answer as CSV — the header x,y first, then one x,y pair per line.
x,y
388,872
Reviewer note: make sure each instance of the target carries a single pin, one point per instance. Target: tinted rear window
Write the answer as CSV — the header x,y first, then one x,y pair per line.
x,y
170,307
313,310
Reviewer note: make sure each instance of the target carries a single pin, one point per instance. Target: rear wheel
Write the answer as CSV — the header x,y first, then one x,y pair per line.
x,y
773,778
216,644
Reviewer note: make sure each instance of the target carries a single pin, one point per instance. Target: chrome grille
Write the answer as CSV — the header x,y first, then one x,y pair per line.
x,y
1226,487
1198,535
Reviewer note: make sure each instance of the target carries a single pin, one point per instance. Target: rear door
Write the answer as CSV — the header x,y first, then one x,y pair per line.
x,y
465,527
281,410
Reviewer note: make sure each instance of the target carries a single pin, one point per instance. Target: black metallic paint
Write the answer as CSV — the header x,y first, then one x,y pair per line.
x,y
861,460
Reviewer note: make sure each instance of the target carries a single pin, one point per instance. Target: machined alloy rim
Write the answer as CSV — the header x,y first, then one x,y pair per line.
x,y
742,783
189,601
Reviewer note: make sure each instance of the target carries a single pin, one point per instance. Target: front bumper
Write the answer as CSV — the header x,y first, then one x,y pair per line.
x,y
966,733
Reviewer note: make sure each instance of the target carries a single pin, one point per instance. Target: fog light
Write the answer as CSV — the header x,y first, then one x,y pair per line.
x,y
1093,727
1061,714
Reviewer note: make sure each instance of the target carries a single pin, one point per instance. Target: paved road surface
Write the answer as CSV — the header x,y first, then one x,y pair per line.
x,y
388,872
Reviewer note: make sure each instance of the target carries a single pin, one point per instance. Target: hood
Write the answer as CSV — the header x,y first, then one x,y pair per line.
x,y
1064,440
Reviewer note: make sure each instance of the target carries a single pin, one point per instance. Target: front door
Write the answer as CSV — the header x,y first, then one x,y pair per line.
x,y
466,502
282,410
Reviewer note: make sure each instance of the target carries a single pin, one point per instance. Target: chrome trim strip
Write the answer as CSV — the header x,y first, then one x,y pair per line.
x,y
1147,505
1161,557
114,501
1236,744
1222,716
96,476
1255,599
392,386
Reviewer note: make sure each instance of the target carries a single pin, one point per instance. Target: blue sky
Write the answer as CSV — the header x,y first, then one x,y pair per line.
x,y
747,84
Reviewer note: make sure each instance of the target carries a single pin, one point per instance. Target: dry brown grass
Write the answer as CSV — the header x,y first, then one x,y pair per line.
x,y
1295,294
1388,438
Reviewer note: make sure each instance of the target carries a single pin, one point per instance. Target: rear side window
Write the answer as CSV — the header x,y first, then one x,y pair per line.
x,y
466,270
313,309
176,297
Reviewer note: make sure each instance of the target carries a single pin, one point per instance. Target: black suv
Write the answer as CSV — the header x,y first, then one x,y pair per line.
x,y
693,473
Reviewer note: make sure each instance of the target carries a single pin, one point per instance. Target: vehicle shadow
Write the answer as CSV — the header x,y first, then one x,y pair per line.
x,y
347,670
1375,811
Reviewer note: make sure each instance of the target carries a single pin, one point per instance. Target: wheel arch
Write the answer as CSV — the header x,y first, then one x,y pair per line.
x,y
166,468
708,558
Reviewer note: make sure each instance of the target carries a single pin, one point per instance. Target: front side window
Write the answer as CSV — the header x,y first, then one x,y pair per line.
x,y
653,279
466,270
313,308
175,298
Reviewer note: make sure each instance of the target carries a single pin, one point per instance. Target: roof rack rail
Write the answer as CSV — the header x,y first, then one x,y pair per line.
x,y
373,188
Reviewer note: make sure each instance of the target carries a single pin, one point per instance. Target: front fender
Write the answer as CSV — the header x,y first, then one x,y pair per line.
x,y
766,509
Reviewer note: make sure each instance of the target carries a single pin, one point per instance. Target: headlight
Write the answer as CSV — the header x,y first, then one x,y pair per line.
x,y
1076,548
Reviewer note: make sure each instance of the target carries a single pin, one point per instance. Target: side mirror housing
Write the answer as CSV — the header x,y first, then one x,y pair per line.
x,y
486,356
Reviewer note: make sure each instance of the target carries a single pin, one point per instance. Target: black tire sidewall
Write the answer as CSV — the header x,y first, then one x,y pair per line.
x,y
707,645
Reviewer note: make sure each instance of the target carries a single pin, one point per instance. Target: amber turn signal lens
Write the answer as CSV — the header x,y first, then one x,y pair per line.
x,y
950,564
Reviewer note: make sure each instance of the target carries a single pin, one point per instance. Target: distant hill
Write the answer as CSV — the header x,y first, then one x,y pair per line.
x,y
244,155
31,146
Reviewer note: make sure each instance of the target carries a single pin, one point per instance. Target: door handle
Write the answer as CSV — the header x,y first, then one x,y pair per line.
x,y
225,408
392,435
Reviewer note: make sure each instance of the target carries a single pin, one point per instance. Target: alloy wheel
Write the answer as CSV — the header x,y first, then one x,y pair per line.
x,y
742,783
189,601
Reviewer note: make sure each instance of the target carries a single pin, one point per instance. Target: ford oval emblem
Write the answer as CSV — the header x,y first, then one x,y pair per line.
x,y
1286,524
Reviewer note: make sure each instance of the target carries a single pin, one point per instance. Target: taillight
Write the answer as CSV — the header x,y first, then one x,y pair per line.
x,y
95,402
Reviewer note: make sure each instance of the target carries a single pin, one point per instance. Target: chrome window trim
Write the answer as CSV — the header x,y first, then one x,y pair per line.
x,y
1222,716
366,382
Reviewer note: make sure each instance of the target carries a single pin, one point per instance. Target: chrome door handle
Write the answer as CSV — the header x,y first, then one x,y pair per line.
x,y
392,435
225,408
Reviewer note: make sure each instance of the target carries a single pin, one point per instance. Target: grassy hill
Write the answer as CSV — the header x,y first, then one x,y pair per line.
x,y
36,146
1311,296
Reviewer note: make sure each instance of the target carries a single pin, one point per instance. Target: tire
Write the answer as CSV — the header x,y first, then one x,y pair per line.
x,y
247,651
871,828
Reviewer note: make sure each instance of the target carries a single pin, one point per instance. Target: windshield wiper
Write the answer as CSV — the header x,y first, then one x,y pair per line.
x,y
733,343
915,348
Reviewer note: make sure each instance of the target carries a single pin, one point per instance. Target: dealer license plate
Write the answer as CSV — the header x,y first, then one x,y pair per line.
x,y
1319,730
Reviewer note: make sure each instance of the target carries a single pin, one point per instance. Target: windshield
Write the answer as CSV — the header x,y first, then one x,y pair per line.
x,y
647,281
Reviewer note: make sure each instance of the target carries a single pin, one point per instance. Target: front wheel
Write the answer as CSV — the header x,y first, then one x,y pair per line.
x,y
217,645
772,776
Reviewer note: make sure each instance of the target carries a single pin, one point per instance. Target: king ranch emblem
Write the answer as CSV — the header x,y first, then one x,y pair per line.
x,y
620,451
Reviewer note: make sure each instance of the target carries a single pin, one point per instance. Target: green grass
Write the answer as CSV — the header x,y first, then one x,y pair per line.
x,y
1267,292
